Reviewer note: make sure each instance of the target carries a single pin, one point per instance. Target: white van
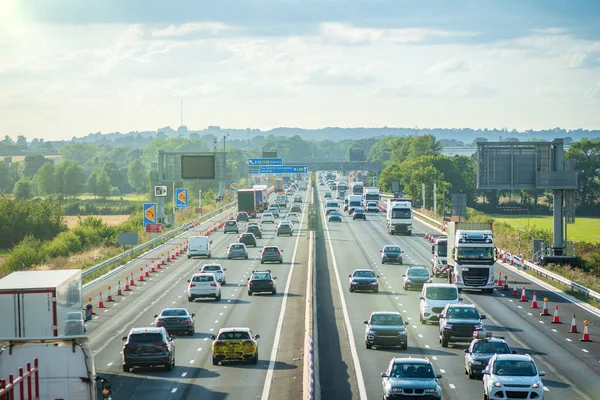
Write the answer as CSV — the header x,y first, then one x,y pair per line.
x,y
434,298
199,246
332,205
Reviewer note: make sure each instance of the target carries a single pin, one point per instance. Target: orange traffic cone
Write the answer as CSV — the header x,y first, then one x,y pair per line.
x,y
514,291
119,291
573,325
556,319
523,295
152,266
172,254
131,281
534,301
505,282
141,274
100,302
500,279
146,273
127,288
109,295
162,258
586,335
545,312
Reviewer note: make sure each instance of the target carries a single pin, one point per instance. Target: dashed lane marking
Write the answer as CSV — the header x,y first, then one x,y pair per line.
x,y
184,375
173,390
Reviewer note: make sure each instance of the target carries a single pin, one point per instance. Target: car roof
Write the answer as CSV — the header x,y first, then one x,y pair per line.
x,y
233,244
385,313
363,269
400,360
203,274
462,305
417,267
270,247
234,329
150,329
212,265
390,245
441,285
491,339
514,357
175,308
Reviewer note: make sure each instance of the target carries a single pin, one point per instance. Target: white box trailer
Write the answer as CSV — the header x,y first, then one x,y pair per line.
x,y
40,303
65,365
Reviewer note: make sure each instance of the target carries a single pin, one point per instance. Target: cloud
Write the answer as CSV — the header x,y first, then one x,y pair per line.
x,y
190,28
404,89
594,91
468,89
337,75
587,56
345,34
451,65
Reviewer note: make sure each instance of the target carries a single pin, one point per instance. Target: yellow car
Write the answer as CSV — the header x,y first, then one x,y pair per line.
x,y
235,344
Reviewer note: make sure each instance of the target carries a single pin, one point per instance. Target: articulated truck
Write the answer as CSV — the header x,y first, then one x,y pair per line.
x,y
247,201
399,216
471,255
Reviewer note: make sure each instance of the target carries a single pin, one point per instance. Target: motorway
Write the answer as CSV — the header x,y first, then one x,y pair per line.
x,y
572,367
276,318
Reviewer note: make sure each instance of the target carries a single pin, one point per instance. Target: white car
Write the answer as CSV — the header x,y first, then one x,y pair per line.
x,y
202,285
292,217
267,217
515,375
216,269
434,297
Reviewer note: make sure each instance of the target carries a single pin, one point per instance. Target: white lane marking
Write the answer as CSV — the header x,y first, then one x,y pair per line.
x,y
192,361
184,375
270,371
427,346
109,364
568,340
173,390
529,313
554,330
210,330
434,358
216,321
541,322
205,339
585,350
362,391
443,371
421,336
546,389
199,348
452,386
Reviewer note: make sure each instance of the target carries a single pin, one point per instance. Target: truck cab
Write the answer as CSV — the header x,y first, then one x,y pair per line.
x,y
399,216
439,262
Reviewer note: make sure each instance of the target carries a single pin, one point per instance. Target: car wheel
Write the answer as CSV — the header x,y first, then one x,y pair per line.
x,y
262,262
400,261
383,261
191,299
255,359
471,375
274,292
168,366
368,346
249,293
485,396
215,361
404,347
376,290
218,297
277,233
422,320
280,261
126,368
351,290
245,258
444,342
188,257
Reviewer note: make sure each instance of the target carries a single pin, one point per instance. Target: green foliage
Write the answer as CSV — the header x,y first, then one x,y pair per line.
x,y
138,176
586,154
6,181
69,178
27,253
45,179
208,197
415,146
23,189
62,245
33,164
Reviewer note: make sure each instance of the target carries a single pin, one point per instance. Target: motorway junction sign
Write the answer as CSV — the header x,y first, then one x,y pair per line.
x,y
264,161
283,169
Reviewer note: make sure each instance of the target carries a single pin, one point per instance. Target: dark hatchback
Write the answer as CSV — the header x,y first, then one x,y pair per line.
x,y
364,280
242,216
386,329
176,320
261,282
255,230
481,350
147,347
248,239
359,213
458,322
391,254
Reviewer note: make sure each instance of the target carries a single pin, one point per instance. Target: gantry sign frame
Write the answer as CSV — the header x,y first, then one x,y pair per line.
x,y
532,165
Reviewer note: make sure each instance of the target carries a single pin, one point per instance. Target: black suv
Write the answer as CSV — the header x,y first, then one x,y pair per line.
x,y
146,347
359,213
254,229
458,322
481,350
262,282
386,328
242,216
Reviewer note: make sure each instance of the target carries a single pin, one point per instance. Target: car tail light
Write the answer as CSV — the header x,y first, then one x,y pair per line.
x,y
192,285
186,322
271,283
278,253
159,323
131,345
248,343
160,344
250,283
213,284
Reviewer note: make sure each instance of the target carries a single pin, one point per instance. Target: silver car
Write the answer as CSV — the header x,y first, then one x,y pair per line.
x,y
231,226
514,376
237,250
411,375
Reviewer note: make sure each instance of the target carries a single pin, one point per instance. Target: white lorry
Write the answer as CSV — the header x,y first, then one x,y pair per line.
x,y
41,304
439,262
65,366
354,201
371,194
399,216
471,255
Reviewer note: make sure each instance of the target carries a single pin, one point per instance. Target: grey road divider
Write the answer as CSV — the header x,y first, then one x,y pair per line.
x,y
513,260
152,245
310,368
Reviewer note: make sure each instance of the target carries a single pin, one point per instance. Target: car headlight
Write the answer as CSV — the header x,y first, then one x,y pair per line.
x,y
408,280
375,283
431,390
447,326
497,384
478,327
535,385
372,332
475,362
427,305
353,283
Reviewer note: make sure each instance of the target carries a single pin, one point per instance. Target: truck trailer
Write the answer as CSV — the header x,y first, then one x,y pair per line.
x,y
471,255
399,216
439,262
262,197
247,201
41,303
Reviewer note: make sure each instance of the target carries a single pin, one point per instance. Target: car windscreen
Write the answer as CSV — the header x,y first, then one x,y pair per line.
x,y
386,320
203,278
491,348
230,223
173,313
415,371
364,274
441,293
417,272
514,368
392,250
270,250
237,247
267,215
261,276
211,268
233,336
462,313
147,337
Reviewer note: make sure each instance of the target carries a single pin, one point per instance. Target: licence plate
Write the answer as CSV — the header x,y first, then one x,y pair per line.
x,y
465,269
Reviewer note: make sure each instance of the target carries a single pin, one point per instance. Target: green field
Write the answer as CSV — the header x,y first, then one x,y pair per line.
x,y
583,230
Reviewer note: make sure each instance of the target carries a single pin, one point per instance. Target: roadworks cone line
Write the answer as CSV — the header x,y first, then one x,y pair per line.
x,y
500,279
573,325
586,335
534,301
556,318
545,312
100,301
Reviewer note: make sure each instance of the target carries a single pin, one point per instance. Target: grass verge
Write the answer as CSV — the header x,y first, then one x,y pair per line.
x,y
568,290
583,230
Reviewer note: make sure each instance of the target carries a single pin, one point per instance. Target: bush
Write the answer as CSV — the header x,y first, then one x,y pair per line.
x,y
24,255
62,245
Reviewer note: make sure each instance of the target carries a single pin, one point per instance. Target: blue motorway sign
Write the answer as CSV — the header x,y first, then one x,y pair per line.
x,y
283,169
264,161
150,212
181,198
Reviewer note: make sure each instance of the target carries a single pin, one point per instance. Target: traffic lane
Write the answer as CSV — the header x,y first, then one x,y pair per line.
x,y
212,314
559,382
424,339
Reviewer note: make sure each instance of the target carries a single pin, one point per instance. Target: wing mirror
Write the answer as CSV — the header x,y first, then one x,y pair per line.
x,y
542,373
124,338
274,277
349,276
256,336
483,316
406,323
193,315
513,352
188,280
438,376
403,274
172,337
156,316
383,375
466,351
366,322
422,297
460,299
212,337
224,269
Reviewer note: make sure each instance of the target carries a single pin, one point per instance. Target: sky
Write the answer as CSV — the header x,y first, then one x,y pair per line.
x,y
71,67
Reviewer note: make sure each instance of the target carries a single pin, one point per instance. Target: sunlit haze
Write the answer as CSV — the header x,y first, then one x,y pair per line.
x,y
71,67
